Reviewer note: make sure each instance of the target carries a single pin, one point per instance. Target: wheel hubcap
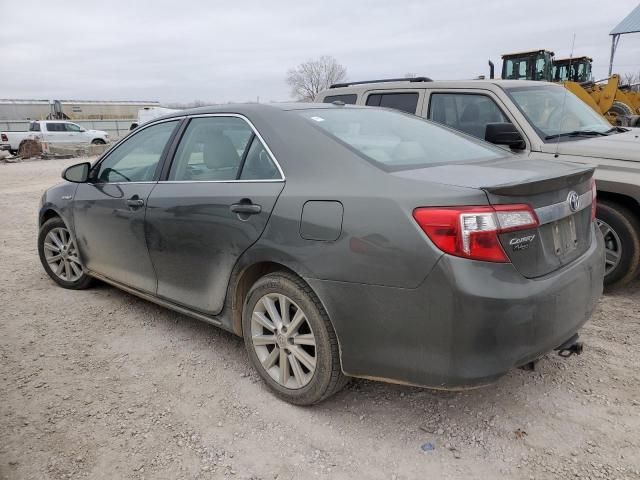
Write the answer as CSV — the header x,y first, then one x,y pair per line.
x,y
612,245
61,254
283,340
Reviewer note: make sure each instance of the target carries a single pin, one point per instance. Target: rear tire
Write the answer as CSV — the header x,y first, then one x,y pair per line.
x,y
620,109
621,231
59,255
318,374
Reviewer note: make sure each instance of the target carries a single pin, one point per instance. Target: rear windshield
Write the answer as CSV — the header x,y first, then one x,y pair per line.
x,y
397,141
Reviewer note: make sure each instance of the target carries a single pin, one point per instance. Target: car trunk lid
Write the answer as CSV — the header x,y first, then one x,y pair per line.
x,y
559,193
563,208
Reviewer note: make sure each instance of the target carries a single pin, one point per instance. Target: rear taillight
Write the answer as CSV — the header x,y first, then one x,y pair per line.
x,y
4,138
472,232
593,199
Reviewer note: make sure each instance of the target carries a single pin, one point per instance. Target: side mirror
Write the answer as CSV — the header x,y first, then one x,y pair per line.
x,y
78,173
504,134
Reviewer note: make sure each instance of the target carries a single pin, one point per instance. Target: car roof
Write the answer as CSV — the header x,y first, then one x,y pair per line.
x,y
248,109
408,85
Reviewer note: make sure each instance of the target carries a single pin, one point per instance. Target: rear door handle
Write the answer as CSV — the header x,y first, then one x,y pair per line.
x,y
246,208
135,202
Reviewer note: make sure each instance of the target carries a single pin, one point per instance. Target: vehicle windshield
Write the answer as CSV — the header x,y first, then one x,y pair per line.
x,y
397,141
555,112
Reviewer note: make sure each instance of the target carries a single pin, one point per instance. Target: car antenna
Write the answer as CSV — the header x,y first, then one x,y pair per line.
x,y
564,98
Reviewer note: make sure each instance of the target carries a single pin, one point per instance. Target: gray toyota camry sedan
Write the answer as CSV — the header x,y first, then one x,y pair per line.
x,y
339,241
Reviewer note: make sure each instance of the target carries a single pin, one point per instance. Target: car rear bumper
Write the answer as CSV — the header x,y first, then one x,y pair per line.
x,y
5,146
466,325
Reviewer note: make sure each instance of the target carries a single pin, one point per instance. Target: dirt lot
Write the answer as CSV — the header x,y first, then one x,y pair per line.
x,y
100,384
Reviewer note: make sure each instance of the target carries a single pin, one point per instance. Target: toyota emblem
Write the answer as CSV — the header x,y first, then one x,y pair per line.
x,y
574,201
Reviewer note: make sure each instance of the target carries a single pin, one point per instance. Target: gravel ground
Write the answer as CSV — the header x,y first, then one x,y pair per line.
x,y
99,384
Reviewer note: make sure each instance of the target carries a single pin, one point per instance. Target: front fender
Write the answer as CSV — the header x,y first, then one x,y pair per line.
x,y
59,200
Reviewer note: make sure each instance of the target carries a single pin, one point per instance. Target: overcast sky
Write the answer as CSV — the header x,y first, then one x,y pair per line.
x,y
179,51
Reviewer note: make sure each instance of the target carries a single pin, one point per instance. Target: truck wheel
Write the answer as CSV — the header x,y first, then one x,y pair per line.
x,y
620,109
621,232
98,141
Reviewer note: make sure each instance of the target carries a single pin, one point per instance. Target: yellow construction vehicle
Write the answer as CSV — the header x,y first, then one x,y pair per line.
x,y
617,103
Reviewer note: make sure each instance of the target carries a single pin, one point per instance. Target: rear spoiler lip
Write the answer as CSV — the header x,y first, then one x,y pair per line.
x,y
537,186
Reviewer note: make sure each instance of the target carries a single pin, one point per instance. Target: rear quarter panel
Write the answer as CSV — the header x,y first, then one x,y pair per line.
x,y
379,243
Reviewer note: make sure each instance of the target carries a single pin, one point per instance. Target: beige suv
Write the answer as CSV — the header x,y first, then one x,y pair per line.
x,y
536,120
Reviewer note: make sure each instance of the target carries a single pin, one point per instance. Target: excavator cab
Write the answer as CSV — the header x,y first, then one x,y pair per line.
x,y
572,69
532,65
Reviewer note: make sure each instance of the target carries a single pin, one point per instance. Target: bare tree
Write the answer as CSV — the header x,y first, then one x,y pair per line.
x,y
633,80
312,76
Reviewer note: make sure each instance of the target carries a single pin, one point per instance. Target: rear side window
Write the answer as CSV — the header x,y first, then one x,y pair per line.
x,y
349,99
469,113
221,149
396,141
406,102
258,164
34,127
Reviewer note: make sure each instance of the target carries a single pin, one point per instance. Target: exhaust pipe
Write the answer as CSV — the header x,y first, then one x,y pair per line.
x,y
570,347
491,69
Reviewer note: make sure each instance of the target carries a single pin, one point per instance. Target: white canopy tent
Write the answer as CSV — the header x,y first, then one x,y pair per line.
x,y
630,24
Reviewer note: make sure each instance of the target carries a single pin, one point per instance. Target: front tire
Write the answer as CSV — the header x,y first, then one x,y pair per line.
x,y
621,232
98,141
290,340
59,255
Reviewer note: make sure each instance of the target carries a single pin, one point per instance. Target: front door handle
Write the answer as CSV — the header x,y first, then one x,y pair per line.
x,y
134,202
245,208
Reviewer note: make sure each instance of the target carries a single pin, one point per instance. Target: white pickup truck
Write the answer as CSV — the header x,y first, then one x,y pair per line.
x,y
52,131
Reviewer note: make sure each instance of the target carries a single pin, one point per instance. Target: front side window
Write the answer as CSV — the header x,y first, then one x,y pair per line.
x,y
406,102
71,127
469,113
515,69
136,159
396,141
556,112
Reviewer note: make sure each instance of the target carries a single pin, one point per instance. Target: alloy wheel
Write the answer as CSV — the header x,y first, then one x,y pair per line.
x,y
612,245
283,340
61,254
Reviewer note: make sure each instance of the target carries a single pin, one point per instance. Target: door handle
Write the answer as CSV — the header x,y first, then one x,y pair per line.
x,y
135,202
245,208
